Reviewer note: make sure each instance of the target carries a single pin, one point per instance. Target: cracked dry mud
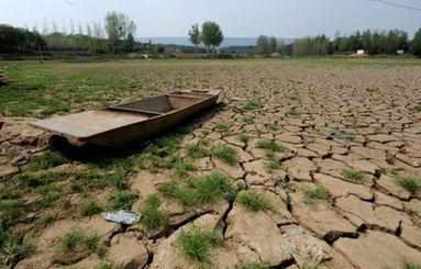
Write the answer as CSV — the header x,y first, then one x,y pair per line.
x,y
327,121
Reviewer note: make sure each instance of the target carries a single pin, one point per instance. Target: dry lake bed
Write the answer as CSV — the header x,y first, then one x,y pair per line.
x,y
308,163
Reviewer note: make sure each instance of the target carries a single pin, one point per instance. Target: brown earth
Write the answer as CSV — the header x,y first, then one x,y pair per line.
x,y
329,119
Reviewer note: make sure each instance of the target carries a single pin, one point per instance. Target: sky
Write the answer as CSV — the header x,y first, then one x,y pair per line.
x,y
238,18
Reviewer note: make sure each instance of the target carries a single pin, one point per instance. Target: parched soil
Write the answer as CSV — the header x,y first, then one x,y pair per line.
x,y
303,165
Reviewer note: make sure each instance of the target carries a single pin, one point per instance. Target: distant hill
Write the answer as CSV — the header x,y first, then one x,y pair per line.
x,y
184,41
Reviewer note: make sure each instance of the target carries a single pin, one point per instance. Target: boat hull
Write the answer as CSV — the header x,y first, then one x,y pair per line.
x,y
139,132
130,123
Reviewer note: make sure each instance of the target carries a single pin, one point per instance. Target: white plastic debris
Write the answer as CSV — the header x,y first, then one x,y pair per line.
x,y
121,217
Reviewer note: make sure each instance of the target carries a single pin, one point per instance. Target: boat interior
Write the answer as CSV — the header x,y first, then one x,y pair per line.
x,y
159,105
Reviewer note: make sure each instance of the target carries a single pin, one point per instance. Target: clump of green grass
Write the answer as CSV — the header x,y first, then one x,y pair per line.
x,y
47,160
98,179
35,180
411,184
353,175
13,250
198,191
90,208
122,200
11,210
412,266
221,127
244,138
197,244
318,193
248,120
273,165
253,201
226,154
182,168
152,217
197,151
252,105
77,241
418,108
105,265
270,146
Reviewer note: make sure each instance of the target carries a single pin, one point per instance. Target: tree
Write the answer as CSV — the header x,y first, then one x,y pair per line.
x,y
118,26
273,44
262,45
211,35
194,35
130,43
416,43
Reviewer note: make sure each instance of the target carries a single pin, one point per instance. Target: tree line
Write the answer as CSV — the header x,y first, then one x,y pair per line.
x,y
116,36
372,42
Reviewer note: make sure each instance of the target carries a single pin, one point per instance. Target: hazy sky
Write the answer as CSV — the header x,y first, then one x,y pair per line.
x,y
238,18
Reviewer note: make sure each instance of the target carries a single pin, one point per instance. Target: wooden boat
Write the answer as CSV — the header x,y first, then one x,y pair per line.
x,y
128,123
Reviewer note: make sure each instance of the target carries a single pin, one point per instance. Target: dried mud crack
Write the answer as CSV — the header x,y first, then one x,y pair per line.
x,y
304,166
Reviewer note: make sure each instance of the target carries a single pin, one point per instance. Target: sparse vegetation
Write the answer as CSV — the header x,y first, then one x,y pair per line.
x,y
77,241
197,151
197,244
412,266
253,201
152,217
12,249
198,191
244,138
47,160
411,184
252,105
273,165
353,175
89,208
317,193
222,127
122,200
225,153
270,146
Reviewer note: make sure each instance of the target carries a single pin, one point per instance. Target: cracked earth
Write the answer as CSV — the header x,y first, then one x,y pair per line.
x,y
350,133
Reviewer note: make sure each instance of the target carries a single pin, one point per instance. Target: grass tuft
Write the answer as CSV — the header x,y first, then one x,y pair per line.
x,y
411,184
122,200
318,193
47,160
90,208
198,191
353,175
197,151
222,128
197,244
225,153
152,217
244,138
252,105
253,201
412,266
79,241
270,146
